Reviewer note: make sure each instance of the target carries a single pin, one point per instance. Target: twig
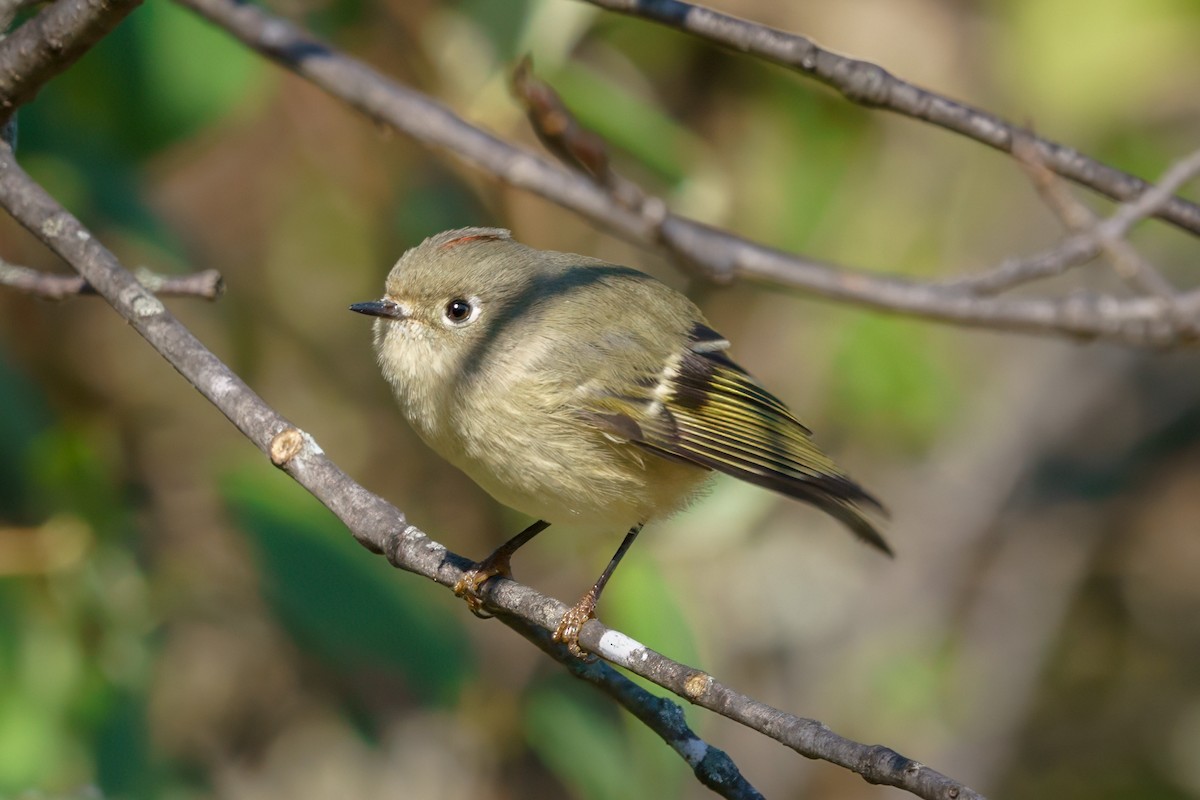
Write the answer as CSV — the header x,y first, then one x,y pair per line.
x,y
1085,245
873,86
382,528
578,147
557,127
1153,198
207,284
50,42
1073,251
720,256
573,144
1135,270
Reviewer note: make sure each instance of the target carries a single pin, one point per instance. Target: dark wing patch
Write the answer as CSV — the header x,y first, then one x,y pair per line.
x,y
708,411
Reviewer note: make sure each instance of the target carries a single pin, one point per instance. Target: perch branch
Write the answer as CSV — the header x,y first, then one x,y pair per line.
x,y
714,253
382,528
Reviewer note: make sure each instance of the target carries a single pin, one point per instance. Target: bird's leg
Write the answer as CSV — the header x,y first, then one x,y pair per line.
x,y
495,564
573,621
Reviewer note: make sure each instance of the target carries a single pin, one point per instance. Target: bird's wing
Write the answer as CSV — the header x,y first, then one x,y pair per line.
x,y
704,409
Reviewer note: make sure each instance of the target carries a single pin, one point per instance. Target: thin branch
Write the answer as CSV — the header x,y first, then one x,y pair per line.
x,y
718,255
1135,270
557,128
579,148
50,42
1073,251
207,285
573,144
873,86
1085,245
382,528
1154,197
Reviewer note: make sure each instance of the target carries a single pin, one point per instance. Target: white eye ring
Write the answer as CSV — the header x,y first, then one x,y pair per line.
x,y
461,311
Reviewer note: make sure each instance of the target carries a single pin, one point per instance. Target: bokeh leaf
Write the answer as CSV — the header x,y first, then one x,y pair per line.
x,y
351,609
22,418
580,739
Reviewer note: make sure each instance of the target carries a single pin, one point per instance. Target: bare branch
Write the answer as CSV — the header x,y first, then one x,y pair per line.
x,y
718,255
382,528
557,127
50,42
1134,269
207,284
1073,251
1153,198
873,86
574,145
1085,245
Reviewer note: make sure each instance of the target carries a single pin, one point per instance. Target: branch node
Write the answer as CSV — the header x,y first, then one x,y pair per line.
x,y
697,685
285,446
143,304
52,228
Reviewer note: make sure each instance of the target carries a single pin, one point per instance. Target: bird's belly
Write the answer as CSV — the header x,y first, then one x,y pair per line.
x,y
587,481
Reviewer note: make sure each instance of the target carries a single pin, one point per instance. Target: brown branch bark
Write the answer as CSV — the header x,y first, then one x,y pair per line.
x,y
50,42
873,86
716,254
382,528
207,285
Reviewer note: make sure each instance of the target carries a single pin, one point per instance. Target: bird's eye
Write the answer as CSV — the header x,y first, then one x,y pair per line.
x,y
459,311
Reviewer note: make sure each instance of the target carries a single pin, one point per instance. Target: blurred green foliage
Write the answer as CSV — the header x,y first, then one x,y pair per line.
x,y
134,523
25,417
347,610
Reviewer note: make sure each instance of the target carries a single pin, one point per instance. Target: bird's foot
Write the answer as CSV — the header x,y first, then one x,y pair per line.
x,y
469,584
572,623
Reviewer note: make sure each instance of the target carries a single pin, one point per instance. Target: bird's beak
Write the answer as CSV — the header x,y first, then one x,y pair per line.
x,y
380,308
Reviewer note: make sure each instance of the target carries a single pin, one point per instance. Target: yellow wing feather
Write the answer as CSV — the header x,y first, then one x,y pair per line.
x,y
707,410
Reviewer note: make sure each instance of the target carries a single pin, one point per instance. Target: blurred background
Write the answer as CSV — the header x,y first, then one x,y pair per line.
x,y
179,620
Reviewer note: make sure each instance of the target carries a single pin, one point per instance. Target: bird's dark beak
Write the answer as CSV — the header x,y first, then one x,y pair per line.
x,y
379,308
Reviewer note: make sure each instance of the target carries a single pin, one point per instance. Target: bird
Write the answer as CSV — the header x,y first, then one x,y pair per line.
x,y
582,392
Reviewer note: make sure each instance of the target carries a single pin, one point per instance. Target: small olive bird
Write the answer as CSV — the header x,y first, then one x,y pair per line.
x,y
578,391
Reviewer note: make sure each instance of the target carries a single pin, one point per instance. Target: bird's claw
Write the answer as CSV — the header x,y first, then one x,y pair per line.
x,y
469,584
572,623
